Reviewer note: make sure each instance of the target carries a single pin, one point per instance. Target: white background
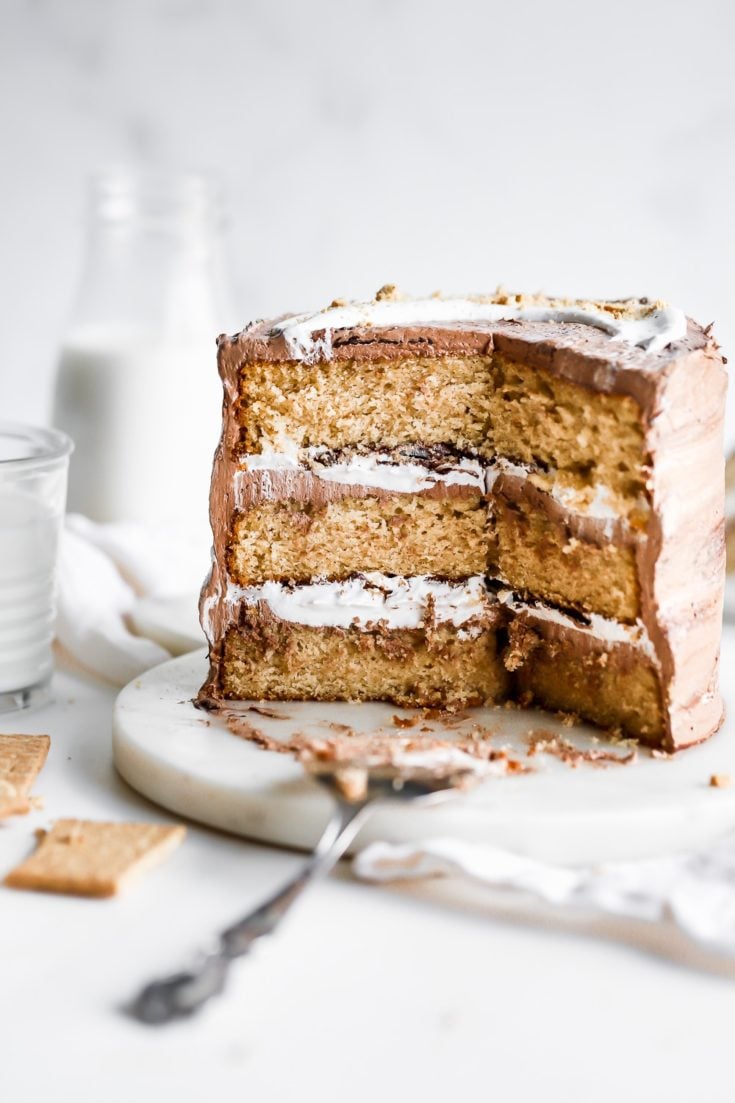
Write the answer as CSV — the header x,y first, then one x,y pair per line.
x,y
575,147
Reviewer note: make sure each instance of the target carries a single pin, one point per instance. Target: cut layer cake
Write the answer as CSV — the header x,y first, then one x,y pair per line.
x,y
452,502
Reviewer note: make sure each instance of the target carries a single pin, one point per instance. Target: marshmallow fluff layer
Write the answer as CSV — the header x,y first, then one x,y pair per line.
x,y
379,470
370,599
309,336
375,598
382,471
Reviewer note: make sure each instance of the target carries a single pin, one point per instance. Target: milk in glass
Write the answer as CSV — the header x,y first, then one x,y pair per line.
x,y
33,469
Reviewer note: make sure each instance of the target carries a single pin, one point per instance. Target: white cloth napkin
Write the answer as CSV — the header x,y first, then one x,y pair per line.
x,y
695,893
103,569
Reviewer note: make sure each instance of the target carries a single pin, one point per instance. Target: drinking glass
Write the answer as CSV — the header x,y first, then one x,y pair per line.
x,y
33,474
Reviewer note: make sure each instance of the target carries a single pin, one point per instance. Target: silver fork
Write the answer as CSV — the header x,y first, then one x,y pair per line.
x,y
186,992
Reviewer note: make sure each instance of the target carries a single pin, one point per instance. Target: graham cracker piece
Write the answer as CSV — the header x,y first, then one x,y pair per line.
x,y
21,760
86,858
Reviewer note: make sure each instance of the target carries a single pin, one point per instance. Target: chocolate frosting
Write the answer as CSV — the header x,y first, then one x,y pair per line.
x,y
680,391
579,353
583,526
259,486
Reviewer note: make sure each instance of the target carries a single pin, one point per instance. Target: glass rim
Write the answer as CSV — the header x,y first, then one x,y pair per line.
x,y
49,446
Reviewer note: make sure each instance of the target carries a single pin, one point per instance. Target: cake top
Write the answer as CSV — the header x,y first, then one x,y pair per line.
x,y
641,323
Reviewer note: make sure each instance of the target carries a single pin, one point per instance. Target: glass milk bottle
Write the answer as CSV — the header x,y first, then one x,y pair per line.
x,y
137,386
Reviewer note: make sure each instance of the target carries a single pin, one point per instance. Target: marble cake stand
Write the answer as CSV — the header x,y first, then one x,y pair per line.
x,y
186,761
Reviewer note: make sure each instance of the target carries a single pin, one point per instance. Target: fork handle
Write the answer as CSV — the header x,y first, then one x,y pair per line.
x,y
341,829
183,993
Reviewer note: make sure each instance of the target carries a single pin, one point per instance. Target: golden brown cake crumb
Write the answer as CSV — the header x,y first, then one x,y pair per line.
x,y
720,781
352,782
565,750
405,721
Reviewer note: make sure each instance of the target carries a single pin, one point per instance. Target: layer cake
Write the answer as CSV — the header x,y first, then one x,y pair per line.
x,y
456,502
730,513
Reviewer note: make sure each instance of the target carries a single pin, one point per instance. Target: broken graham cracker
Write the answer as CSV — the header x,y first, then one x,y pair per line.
x,y
86,858
21,761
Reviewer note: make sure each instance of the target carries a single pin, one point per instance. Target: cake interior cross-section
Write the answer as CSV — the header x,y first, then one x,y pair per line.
x,y
453,502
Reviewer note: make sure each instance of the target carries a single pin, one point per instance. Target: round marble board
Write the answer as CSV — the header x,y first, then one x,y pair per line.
x,y
186,760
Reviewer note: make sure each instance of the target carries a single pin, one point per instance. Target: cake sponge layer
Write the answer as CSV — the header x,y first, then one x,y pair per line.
x,y
613,686
398,534
384,403
538,554
410,667
535,544
488,405
542,419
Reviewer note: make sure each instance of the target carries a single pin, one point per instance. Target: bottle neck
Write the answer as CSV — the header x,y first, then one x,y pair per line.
x,y
157,203
155,258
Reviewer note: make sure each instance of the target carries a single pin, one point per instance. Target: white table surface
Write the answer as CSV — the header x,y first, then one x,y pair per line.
x,y
366,993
